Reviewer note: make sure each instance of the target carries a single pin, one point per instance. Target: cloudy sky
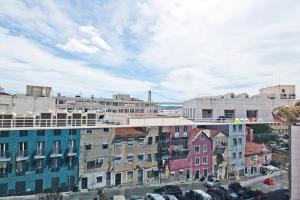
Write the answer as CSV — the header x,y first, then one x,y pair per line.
x,y
178,49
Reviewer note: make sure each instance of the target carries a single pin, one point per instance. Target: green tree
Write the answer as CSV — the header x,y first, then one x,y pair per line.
x,y
263,138
261,128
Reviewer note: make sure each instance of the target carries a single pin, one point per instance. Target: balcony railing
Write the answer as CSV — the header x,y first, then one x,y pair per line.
x,y
72,151
22,155
4,156
39,154
56,152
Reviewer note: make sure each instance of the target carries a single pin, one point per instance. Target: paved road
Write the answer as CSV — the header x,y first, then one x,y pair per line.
x,y
281,182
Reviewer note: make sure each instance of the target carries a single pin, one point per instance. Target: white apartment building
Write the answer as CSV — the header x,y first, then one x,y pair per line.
x,y
242,105
120,103
39,99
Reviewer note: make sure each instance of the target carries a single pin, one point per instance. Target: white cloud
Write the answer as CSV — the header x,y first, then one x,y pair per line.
x,y
211,47
81,46
27,63
90,42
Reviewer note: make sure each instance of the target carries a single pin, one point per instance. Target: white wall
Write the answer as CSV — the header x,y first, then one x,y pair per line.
x,y
295,162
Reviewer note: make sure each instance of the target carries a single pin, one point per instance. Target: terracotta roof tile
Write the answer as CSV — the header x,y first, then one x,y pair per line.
x,y
254,148
129,131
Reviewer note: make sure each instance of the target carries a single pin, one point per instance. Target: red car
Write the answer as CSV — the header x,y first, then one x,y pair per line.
x,y
269,181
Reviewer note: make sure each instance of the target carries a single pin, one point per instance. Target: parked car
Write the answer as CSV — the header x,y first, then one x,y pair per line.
x,y
197,194
275,163
212,182
170,197
269,181
228,193
170,190
134,197
152,196
118,197
238,189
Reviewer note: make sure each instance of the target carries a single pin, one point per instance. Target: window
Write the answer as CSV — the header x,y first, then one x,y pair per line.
x,y
156,156
89,131
204,160
141,157
197,149
149,158
55,164
4,134
176,128
99,179
283,90
72,131
234,155
150,140
185,128
90,164
40,133
105,146
106,130
240,155
240,141
129,175
234,141
240,128
202,136
149,174
252,114
176,134
23,133
205,148
129,158
207,113
88,147
197,161
58,132
229,113
234,128
118,159
156,139
141,141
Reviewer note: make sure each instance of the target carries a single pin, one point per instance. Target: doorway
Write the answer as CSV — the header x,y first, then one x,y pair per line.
x,y
117,179
140,178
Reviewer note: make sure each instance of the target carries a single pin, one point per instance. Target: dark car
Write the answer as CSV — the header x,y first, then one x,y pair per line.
x,y
275,163
228,193
238,189
171,190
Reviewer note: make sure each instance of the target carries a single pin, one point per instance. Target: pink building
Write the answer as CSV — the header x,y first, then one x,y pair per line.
x,y
190,153
256,155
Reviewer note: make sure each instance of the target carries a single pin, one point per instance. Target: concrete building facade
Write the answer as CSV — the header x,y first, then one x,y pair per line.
x,y
240,106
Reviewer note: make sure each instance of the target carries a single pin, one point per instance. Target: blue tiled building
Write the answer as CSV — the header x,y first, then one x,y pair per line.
x,y
38,160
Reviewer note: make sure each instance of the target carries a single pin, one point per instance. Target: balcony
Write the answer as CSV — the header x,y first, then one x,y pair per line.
x,y
4,156
71,151
22,155
180,148
56,152
39,154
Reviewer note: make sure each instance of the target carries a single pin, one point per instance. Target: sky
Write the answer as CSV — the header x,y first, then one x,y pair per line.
x,y
177,49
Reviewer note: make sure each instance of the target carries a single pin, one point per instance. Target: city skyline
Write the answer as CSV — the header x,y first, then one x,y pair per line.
x,y
179,50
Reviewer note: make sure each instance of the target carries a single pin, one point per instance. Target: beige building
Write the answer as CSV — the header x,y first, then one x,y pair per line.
x,y
279,92
136,156
96,158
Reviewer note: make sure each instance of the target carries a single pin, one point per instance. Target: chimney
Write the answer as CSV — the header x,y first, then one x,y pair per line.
x,y
149,96
249,137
